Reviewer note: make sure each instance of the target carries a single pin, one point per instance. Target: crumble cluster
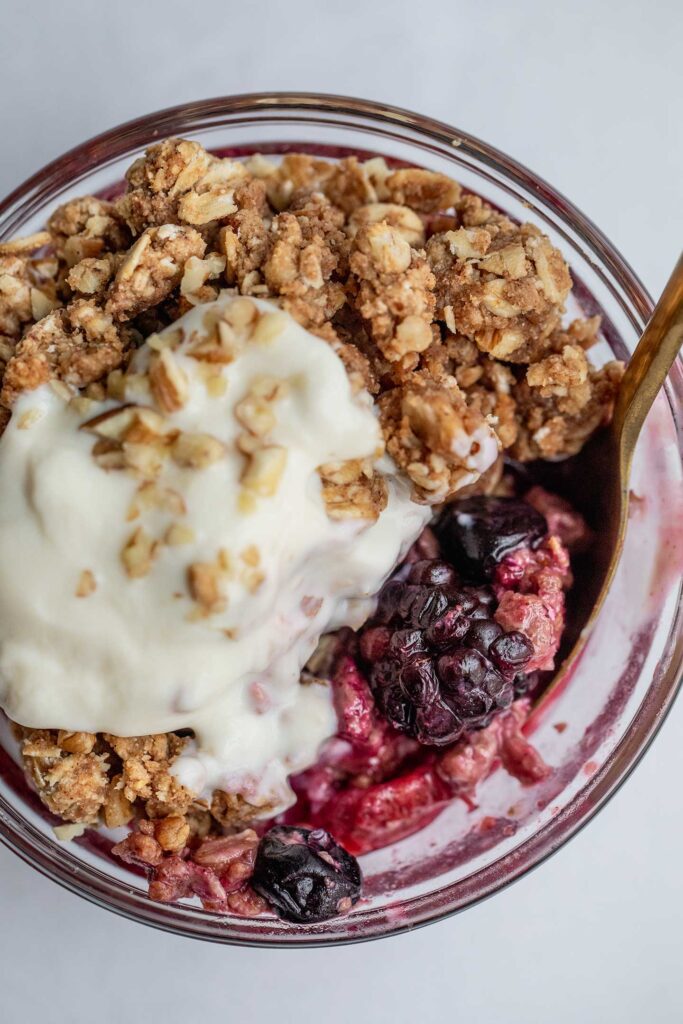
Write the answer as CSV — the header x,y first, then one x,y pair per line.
x,y
447,311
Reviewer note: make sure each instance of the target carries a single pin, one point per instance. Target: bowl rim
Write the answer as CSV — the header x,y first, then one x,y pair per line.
x,y
630,749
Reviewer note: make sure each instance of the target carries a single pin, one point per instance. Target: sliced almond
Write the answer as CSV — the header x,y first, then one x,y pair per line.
x,y
112,424
27,244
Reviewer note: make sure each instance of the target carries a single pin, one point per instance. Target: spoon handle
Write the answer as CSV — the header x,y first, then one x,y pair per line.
x,y
650,363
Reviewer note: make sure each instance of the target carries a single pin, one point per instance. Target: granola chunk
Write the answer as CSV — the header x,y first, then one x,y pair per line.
x,y
394,291
79,345
486,383
91,276
87,227
306,250
15,295
436,438
27,292
71,785
563,399
232,810
152,268
295,172
178,182
145,774
500,284
245,244
157,181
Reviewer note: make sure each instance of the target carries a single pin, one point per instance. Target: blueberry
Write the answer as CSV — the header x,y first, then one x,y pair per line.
x,y
305,875
478,532
437,725
438,662
511,652
482,633
448,629
433,573
419,681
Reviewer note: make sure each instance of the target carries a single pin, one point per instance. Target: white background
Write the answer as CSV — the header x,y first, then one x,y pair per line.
x,y
586,93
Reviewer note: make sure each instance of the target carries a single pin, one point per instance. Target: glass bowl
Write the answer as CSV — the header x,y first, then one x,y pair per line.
x,y
598,724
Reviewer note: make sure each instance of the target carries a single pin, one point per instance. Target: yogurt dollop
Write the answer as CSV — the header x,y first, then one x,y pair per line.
x,y
168,557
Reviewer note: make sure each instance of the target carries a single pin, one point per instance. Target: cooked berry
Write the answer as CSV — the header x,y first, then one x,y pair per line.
x,y
374,643
438,662
432,572
511,652
305,875
478,532
482,633
447,630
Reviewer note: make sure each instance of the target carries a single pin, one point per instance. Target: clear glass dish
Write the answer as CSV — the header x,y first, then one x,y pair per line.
x,y
596,729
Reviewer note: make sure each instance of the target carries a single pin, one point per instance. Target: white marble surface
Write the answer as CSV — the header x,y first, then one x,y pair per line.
x,y
588,94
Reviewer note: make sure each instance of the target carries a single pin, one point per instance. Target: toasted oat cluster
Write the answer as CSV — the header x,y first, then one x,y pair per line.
x,y
444,309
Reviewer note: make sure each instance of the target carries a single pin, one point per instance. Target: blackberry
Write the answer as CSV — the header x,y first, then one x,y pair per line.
x,y
438,662
476,533
305,875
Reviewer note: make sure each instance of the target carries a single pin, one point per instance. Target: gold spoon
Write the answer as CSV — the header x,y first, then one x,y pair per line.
x,y
604,464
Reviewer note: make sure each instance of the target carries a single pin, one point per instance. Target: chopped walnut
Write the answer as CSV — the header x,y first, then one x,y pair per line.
x,y
394,291
79,345
138,554
206,581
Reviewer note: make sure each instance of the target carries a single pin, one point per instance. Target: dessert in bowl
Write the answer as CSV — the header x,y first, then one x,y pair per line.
x,y
274,466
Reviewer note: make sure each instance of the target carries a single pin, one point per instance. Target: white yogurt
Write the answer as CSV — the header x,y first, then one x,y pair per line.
x,y
132,657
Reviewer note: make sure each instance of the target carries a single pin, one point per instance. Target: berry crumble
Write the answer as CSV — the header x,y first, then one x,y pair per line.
x,y
264,434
